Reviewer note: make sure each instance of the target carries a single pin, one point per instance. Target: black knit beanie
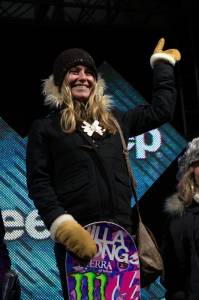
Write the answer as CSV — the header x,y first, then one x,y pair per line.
x,y
71,58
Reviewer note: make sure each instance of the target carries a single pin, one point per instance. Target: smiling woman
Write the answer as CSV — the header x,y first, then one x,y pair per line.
x,y
81,81
76,171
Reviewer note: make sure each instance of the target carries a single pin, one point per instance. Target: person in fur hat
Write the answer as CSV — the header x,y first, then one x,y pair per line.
x,y
181,241
76,171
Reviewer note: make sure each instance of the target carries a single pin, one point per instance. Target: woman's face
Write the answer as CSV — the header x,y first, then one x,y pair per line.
x,y
81,81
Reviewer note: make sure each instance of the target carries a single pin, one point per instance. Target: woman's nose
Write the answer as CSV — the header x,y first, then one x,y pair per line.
x,y
82,75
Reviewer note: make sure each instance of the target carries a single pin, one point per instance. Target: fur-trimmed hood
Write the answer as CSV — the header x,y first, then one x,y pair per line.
x,y
175,207
54,97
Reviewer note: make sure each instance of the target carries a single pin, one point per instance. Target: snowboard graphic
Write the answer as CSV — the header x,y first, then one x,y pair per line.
x,y
114,272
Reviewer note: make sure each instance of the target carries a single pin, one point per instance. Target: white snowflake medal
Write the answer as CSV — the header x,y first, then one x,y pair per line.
x,y
91,128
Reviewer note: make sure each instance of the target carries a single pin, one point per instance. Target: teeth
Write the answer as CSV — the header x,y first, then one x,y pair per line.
x,y
80,85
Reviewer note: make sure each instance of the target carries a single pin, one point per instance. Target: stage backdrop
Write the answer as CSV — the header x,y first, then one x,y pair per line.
x,y
31,249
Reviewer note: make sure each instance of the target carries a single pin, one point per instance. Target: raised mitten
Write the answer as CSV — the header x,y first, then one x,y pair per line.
x,y
76,239
171,55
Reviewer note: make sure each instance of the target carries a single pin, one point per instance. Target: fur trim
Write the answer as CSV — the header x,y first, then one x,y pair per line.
x,y
174,206
54,98
57,222
106,100
100,88
161,56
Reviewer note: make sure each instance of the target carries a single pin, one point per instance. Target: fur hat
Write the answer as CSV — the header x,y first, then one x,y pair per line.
x,y
71,58
190,156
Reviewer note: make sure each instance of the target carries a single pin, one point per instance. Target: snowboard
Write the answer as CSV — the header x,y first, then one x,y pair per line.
x,y
112,274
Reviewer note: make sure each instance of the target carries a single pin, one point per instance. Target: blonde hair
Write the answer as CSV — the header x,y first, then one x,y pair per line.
x,y
96,108
187,187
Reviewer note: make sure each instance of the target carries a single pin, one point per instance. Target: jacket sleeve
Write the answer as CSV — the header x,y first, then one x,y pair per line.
x,y
39,166
149,116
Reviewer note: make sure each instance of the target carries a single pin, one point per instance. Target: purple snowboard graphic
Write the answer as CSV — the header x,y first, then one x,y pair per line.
x,y
114,272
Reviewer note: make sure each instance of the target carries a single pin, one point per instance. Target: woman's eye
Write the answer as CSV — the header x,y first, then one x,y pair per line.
x,y
74,71
89,73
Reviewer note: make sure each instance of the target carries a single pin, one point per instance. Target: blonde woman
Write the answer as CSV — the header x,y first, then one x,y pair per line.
x,y
76,172
181,242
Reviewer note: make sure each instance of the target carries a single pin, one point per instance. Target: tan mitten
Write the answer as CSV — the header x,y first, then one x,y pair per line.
x,y
76,239
170,55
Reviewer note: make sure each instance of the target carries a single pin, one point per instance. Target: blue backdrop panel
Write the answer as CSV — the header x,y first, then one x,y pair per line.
x,y
30,247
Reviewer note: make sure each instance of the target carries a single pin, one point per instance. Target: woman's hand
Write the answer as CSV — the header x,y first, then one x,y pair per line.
x,y
175,53
76,239
170,55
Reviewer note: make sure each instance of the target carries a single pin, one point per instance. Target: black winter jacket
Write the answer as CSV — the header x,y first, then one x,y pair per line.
x,y
69,173
180,249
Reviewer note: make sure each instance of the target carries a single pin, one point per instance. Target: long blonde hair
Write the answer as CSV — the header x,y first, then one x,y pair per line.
x,y
187,187
98,107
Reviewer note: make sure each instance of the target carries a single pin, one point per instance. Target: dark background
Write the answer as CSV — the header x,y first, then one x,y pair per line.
x,y
123,33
